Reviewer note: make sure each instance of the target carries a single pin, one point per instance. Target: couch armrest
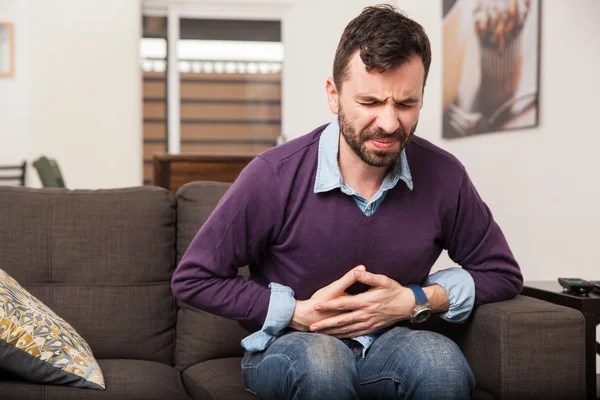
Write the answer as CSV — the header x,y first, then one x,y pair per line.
x,y
526,348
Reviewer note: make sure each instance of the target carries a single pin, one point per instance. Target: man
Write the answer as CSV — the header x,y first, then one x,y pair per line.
x,y
340,250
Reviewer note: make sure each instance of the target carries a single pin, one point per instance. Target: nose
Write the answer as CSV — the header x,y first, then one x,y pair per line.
x,y
387,120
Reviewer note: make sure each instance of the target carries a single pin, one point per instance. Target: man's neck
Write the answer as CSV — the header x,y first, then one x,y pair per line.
x,y
357,174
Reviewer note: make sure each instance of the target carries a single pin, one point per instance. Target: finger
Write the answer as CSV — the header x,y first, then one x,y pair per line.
x,y
354,334
348,331
345,303
347,280
373,280
338,321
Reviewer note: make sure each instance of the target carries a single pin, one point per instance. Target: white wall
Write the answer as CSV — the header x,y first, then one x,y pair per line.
x,y
85,89
14,129
76,94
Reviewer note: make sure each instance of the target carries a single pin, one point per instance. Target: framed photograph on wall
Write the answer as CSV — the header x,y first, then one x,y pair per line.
x,y
7,50
491,57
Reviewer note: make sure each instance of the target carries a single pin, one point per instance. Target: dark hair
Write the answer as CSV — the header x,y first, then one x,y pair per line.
x,y
386,38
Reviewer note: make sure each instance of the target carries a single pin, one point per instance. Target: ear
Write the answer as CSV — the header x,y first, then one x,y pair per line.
x,y
332,96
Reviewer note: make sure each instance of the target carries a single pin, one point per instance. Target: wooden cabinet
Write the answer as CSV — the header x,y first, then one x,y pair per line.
x,y
172,171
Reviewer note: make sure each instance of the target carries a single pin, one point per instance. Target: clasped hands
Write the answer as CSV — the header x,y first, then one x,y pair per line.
x,y
334,312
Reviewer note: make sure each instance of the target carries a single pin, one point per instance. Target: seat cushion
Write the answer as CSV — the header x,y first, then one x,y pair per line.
x,y
40,346
125,379
219,379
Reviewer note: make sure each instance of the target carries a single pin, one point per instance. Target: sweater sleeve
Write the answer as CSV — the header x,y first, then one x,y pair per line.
x,y
477,243
244,222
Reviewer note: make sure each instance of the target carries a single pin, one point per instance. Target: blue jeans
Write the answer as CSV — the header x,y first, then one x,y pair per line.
x,y
400,364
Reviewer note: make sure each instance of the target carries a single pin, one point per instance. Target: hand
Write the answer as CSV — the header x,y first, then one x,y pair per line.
x,y
305,313
386,303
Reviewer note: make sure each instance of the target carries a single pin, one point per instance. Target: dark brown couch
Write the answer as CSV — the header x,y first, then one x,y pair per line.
x,y
103,261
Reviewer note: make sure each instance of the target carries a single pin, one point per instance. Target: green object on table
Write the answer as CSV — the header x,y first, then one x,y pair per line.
x,y
49,172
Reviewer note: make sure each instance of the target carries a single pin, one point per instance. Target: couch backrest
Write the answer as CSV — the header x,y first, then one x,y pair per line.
x,y
102,260
201,336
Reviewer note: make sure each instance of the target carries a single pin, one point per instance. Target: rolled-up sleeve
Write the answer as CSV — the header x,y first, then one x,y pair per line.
x,y
460,287
281,310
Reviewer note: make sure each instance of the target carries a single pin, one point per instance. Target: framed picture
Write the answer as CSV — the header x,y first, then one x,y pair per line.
x,y
7,50
491,57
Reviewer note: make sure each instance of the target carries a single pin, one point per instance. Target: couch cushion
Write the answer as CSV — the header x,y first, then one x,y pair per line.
x,y
201,336
125,379
221,378
101,259
38,345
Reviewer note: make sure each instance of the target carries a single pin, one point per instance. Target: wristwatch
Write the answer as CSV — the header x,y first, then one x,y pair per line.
x,y
422,309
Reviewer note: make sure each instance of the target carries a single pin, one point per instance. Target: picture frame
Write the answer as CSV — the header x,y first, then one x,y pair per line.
x,y
7,49
491,66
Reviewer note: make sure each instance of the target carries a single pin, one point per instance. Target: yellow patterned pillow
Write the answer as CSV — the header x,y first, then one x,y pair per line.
x,y
38,345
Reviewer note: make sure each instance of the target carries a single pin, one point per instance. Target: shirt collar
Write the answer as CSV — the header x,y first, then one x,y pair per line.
x,y
328,170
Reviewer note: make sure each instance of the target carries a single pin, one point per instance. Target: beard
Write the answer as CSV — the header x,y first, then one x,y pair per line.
x,y
375,158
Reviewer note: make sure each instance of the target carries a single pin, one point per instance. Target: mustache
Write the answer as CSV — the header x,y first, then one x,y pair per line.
x,y
378,133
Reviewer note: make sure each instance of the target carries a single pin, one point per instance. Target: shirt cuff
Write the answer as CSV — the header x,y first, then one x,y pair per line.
x,y
460,287
281,310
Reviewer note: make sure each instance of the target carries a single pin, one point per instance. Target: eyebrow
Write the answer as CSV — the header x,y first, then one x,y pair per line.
x,y
370,98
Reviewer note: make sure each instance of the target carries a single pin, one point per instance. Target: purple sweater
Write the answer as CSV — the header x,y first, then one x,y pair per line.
x,y
271,220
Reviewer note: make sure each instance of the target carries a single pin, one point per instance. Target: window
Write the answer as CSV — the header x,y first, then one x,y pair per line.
x,y
230,86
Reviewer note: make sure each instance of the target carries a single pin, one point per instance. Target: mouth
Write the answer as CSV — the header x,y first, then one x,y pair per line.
x,y
384,144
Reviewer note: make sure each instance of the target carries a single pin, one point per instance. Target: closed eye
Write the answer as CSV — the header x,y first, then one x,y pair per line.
x,y
405,105
370,104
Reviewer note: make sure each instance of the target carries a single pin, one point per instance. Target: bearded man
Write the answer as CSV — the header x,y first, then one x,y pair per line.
x,y
340,229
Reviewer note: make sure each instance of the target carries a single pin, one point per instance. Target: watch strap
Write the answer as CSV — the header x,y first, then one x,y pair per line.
x,y
420,296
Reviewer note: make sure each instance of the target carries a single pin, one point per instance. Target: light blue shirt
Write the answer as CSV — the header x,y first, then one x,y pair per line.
x,y
457,282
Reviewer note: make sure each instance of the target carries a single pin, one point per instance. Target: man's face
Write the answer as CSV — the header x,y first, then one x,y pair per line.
x,y
378,112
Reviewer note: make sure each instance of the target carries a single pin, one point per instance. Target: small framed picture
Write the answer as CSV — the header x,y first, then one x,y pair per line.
x,y
7,50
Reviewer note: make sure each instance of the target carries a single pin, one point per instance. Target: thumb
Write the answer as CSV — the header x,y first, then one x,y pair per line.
x,y
340,285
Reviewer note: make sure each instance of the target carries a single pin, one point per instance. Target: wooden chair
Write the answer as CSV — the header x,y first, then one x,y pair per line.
x,y
13,174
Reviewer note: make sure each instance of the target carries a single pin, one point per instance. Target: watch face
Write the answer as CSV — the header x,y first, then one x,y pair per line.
x,y
421,316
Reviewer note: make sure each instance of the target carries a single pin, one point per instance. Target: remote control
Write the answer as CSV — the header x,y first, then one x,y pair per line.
x,y
596,286
576,285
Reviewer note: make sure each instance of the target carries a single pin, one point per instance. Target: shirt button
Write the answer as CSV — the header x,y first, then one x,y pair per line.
x,y
369,207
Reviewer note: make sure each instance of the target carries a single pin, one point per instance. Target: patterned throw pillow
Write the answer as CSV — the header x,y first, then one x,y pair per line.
x,y
38,345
